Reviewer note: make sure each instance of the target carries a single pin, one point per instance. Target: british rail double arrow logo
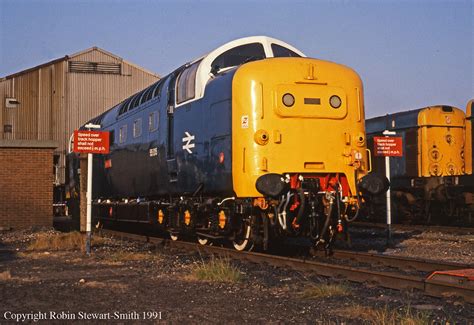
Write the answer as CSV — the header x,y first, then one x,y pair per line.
x,y
187,139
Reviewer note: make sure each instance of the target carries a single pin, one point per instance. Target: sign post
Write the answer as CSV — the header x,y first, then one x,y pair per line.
x,y
90,142
388,147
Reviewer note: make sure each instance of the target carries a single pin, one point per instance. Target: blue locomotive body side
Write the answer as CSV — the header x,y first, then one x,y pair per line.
x,y
154,153
206,123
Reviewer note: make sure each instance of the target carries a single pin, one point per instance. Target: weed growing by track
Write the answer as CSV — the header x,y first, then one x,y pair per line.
x,y
386,315
63,241
217,269
325,290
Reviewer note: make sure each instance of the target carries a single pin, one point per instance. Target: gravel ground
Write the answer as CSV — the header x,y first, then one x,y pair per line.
x,y
126,280
432,245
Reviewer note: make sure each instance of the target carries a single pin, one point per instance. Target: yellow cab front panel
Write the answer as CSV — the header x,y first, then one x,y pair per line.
x,y
441,144
283,122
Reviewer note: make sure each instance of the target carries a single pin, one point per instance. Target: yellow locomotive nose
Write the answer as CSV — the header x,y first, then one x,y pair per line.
x,y
282,127
440,141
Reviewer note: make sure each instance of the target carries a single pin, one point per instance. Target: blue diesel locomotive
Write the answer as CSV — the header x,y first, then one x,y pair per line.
x,y
252,142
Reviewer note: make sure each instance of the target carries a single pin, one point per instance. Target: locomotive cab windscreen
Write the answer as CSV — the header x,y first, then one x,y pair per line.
x,y
231,55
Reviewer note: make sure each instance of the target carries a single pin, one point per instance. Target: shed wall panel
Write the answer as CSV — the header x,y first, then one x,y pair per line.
x,y
54,102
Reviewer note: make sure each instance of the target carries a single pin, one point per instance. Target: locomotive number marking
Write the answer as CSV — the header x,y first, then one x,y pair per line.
x,y
244,121
187,139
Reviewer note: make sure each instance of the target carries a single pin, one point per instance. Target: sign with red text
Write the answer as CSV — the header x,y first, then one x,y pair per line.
x,y
388,146
91,141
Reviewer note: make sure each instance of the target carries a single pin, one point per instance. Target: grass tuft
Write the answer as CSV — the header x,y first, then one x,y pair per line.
x,y
217,270
325,291
64,241
386,316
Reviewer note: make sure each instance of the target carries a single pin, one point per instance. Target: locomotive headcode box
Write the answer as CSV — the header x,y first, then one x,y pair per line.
x,y
91,141
388,146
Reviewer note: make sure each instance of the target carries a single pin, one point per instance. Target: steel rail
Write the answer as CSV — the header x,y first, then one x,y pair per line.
x,y
445,229
383,279
400,262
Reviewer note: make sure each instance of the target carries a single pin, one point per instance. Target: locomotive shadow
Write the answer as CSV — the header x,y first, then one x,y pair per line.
x,y
367,240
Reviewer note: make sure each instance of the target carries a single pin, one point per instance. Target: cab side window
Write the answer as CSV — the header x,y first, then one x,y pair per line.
x,y
186,82
280,51
238,55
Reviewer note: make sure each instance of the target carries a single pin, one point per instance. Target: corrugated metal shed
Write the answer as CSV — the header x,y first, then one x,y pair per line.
x,y
51,100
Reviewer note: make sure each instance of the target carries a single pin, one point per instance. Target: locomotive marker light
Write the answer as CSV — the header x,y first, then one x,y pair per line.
x,y
389,147
335,101
288,100
90,142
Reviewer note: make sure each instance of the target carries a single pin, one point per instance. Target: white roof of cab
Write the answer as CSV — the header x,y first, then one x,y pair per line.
x,y
203,73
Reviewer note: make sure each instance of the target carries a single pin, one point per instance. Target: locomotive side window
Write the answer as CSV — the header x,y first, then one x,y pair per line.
x,y
281,51
146,95
124,106
129,105
157,88
137,128
238,55
135,101
123,133
153,120
185,85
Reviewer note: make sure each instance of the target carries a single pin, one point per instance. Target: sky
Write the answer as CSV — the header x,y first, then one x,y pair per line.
x,y
409,54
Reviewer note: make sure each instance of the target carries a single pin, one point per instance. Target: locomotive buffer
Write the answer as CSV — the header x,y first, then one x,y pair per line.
x,y
388,147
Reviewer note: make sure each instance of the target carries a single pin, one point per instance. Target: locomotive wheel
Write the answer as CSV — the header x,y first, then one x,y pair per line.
x,y
242,239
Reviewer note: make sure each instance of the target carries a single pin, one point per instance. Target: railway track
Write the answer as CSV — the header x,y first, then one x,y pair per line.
x,y
399,262
386,279
443,229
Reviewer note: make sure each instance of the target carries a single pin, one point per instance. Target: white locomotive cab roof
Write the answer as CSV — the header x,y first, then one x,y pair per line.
x,y
225,57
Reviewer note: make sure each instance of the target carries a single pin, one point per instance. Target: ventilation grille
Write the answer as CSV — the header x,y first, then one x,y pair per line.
x,y
94,67
7,128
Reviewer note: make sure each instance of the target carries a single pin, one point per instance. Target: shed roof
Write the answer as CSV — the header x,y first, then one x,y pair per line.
x,y
71,56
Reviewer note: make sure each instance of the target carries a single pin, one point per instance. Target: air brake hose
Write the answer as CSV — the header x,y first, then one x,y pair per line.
x,y
358,202
326,223
302,205
265,231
